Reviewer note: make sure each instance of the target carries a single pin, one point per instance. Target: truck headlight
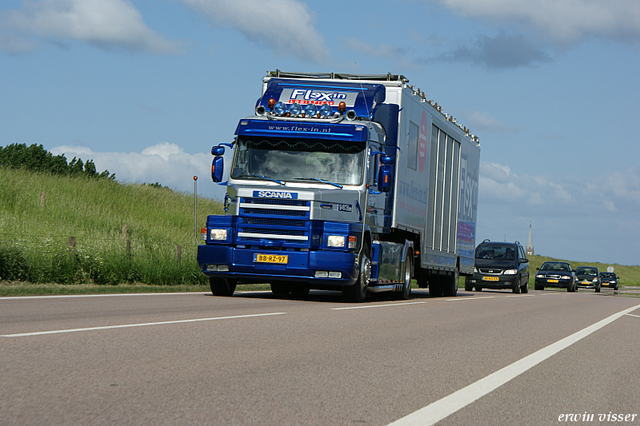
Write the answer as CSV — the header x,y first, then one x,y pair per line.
x,y
335,241
218,234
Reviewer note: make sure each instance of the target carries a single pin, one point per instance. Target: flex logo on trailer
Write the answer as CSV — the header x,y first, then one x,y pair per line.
x,y
317,97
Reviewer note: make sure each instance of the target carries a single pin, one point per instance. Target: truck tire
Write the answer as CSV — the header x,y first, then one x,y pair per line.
x,y
405,294
450,284
358,291
222,286
435,286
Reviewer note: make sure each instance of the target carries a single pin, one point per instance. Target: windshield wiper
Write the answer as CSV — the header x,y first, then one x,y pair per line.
x,y
322,181
270,179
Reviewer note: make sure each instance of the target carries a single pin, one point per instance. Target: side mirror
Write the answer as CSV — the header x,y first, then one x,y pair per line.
x,y
217,166
217,169
217,150
384,173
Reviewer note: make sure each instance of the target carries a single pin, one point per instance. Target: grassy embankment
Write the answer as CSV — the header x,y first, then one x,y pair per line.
x,y
126,237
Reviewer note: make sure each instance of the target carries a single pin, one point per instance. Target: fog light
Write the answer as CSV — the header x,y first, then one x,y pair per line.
x,y
322,274
333,274
211,268
223,268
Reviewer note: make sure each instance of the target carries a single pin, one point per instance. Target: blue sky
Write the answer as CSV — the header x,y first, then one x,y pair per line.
x,y
551,87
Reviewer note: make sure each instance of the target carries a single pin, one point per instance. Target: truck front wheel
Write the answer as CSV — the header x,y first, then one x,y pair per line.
x,y
358,291
222,286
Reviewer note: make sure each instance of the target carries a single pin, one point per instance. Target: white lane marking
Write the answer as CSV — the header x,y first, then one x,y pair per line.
x,y
377,306
74,296
109,327
448,405
631,315
460,299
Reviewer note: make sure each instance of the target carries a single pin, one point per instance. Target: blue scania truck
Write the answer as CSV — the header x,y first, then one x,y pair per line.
x,y
356,183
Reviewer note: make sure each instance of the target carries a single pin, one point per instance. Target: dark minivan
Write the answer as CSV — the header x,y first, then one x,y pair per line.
x,y
500,266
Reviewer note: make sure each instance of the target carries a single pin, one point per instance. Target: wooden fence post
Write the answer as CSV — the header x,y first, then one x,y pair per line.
x,y
72,243
129,249
43,197
179,254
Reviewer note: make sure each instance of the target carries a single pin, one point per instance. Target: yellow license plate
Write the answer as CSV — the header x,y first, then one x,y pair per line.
x,y
552,281
271,258
490,279
585,282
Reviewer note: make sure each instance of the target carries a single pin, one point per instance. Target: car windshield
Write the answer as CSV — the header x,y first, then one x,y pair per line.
x,y
490,251
587,271
607,275
285,159
553,266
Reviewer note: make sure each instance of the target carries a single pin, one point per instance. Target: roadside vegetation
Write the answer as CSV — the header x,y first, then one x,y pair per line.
x,y
67,229
79,232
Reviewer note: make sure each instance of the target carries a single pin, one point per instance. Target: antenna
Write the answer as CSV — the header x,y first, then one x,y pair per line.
x,y
195,208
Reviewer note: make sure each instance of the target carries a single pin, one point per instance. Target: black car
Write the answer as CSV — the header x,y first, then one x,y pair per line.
x,y
555,274
588,277
501,266
609,279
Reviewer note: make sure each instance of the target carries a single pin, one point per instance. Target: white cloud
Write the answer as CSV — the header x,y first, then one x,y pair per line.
x,y
165,163
286,26
590,218
107,24
566,21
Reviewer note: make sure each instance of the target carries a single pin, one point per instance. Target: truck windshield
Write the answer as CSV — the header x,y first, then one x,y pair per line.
x,y
298,160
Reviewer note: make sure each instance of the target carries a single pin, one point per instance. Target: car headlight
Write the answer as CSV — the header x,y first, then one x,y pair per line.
x,y
595,280
335,241
218,234
511,272
539,276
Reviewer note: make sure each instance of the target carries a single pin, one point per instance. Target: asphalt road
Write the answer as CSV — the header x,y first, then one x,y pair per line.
x,y
489,358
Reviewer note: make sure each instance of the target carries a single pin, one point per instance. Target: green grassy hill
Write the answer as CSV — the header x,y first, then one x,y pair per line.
x,y
123,233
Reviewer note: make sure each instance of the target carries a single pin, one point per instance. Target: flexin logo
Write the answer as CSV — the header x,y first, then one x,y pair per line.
x,y
315,96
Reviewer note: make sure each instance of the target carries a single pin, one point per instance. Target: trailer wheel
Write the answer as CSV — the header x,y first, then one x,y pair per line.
x,y
358,291
222,286
435,286
451,284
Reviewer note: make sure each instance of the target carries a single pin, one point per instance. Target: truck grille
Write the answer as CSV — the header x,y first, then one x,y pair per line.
x,y
274,222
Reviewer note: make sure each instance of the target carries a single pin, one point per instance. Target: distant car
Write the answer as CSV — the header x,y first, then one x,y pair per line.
x,y
609,279
588,277
555,274
501,266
